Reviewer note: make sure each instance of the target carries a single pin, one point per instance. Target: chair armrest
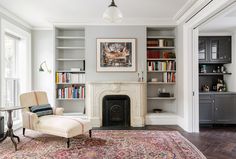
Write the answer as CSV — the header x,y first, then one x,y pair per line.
x,y
58,111
30,120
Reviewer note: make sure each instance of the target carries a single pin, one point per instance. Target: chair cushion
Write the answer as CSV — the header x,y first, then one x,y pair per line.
x,y
41,110
63,126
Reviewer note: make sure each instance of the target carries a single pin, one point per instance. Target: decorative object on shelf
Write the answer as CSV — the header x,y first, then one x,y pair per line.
x,y
154,80
220,85
112,13
223,69
116,55
218,69
44,67
203,69
157,110
164,94
205,88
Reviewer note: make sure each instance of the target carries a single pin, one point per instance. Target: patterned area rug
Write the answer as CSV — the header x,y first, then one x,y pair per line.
x,y
108,144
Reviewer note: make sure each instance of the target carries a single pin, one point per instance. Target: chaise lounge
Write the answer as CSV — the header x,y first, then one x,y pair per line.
x,y
55,124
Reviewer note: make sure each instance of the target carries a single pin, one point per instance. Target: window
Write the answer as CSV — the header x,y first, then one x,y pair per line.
x,y
11,78
15,62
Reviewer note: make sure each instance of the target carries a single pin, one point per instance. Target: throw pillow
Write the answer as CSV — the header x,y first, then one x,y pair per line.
x,y
41,110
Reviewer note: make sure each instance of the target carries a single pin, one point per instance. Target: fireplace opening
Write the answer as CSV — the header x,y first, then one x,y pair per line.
x,y
116,110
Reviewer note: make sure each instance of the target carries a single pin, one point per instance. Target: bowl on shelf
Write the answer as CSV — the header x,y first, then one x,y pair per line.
x,y
157,110
154,80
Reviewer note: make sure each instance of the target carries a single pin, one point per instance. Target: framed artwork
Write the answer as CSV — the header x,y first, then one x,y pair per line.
x,y
116,55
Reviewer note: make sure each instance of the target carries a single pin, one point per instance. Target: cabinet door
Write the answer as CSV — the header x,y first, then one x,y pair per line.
x,y
225,49
202,54
224,109
206,110
220,49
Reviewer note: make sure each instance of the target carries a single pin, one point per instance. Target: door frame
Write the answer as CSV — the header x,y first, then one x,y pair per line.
x,y
190,39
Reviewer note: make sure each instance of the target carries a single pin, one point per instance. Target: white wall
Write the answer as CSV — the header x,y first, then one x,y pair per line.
x,y
42,50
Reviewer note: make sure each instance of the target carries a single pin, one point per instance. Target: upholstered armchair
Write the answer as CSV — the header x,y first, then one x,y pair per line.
x,y
55,124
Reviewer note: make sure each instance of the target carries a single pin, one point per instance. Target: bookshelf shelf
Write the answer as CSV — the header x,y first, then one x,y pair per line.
x,y
161,83
160,37
161,59
162,71
70,83
71,37
70,99
161,98
153,47
70,69
70,59
70,47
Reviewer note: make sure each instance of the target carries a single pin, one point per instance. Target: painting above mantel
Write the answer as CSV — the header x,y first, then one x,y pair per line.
x,y
117,55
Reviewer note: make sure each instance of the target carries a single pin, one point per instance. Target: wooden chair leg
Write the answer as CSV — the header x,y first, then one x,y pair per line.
x,y
23,131
90,133
68,142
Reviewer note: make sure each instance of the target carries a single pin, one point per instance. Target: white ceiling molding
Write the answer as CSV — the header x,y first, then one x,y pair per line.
x,y
125,22
183,10
14,17
192,10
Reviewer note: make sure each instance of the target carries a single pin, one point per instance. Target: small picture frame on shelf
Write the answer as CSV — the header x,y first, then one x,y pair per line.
x,y
116,55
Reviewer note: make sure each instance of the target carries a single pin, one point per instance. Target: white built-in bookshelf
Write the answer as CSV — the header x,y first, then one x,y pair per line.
x,y
70,69
161,76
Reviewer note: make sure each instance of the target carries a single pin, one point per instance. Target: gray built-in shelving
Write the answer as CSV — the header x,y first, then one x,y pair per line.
x,y
70,66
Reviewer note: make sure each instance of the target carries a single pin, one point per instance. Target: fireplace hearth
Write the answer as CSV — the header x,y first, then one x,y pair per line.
x,y
116,110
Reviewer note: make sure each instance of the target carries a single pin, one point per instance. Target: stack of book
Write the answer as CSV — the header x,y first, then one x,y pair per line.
x,y
72,92
168,77
152,43
161,66
70,77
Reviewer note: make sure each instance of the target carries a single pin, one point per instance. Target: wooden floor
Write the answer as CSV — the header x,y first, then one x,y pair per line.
x,y
218,142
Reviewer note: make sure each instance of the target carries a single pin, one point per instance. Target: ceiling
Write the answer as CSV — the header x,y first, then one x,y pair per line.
x,y
42,13
224,22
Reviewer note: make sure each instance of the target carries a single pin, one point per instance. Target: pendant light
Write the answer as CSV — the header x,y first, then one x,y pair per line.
x,y
112,13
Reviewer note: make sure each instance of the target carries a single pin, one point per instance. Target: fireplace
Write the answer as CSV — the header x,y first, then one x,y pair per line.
x,y
116,110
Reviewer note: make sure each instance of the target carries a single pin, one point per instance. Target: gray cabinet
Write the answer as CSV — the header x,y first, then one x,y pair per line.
x,y
206,110
215,49
217,109
224,109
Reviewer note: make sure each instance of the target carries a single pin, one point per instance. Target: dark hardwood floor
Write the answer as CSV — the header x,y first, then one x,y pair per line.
x,y
218,142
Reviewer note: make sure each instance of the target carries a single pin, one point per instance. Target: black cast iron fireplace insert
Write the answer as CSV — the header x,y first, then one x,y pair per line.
x,y
116,110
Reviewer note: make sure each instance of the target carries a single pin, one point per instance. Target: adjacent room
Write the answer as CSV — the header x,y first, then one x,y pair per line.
x,y
118,79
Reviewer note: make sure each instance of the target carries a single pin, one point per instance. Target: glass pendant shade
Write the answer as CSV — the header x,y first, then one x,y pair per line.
x,y
112,14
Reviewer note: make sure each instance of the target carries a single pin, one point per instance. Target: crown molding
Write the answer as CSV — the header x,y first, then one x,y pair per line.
x,y
183,9
14,17
192,9
125,22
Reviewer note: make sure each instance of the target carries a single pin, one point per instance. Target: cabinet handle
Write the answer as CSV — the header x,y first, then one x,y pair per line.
x,y
213,101
216,108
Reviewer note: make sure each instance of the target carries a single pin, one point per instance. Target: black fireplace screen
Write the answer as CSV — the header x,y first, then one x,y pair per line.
x,y
116,110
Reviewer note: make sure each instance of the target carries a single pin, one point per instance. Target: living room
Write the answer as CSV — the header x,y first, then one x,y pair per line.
x,y
117,79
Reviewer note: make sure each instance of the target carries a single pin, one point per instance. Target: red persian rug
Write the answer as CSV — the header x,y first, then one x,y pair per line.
x,y
107,144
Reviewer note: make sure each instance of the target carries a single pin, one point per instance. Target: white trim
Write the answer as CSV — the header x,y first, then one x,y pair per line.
x,y
42,28
201,33
14,17
183,9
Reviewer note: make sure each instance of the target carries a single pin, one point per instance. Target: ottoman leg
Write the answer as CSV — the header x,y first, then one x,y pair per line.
x,y
90,133
68,142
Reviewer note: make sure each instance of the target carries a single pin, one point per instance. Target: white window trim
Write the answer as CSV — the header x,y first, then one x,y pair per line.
x,y
7,27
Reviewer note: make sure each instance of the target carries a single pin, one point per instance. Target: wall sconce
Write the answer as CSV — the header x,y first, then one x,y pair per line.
x,y
42,67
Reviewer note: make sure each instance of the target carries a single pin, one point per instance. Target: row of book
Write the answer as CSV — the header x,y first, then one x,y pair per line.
x,y
70,77
161,66
168,77
160,42
159,54
71,92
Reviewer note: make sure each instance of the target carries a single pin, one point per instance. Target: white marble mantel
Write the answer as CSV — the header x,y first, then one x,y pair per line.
x,y
136,91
